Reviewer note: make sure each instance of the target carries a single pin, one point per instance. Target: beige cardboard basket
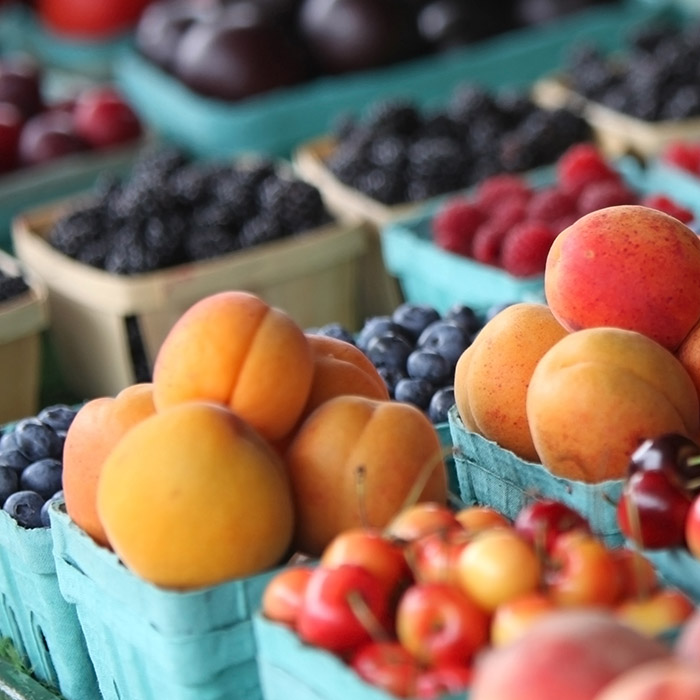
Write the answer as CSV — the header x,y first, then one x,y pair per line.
x,y
22,320
312,276
380,292
618,134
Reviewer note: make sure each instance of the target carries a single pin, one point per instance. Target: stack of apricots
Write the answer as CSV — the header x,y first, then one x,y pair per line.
x,y
613,358
253,441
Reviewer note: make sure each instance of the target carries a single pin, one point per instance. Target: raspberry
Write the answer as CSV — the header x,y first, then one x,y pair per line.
x,y
608,193
668,206
455,224
525,248
550,204
684,155
579,166
494,190
489,236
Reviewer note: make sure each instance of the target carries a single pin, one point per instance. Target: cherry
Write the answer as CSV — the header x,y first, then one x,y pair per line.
x,y
673,453
387,665
652,510
20,84
11,122
104,118
47,136
542,521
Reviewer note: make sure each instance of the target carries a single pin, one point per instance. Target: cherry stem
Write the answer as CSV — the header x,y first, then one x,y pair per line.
x,y
423,476
366,617
361,486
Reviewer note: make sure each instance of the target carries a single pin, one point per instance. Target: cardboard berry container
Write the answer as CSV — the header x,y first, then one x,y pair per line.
x,y
290,669
312,276
490,475
22,322
43,628
148,642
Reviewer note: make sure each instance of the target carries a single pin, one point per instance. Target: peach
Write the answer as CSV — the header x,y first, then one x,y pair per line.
x,y
568,653
665,679
193,496
356,462
236,350
687,645
97,427
597,393
626,266
492,376
341,368
688,353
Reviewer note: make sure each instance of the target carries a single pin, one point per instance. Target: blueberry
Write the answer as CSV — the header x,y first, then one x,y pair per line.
x,y
440,403
9,482
59,416
390,375
25,508
389,350
336,330
429,365
465,317
495,309
414,391
446,338
43,476
7,440
44,513
414,318
36,440
374,327
14,459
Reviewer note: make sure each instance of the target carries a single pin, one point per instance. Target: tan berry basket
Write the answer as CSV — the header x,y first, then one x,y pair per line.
x,y
312,276
618,134
22,321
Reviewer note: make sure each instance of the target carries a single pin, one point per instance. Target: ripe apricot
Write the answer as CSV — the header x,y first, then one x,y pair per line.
x,y
355,462
97,427
193,496
236,350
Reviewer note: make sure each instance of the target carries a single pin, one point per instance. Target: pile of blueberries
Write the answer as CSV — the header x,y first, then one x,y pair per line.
x,y
31,464
415,350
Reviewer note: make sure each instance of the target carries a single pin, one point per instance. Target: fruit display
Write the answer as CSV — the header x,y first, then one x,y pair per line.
x,y
397,152
508,222
31,465
36,129
431,603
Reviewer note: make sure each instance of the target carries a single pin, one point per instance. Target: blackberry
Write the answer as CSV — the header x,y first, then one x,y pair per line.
x,y
94,252
683,104
255,172
217,214
388,151
301,207
393,116
158,162
473,102
210,242
163,237
441,125
588,70
11,286
237,193
437,164
129,253
263,228
382,185
350,160
190,186
514,105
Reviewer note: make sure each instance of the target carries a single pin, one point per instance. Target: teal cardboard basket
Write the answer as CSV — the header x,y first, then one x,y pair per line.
x,y
146,642
490,475
293,670
678,568
278,121
42,626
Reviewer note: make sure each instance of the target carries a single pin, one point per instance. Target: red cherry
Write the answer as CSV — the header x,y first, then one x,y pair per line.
x,y
652,510
331,615
387,665
673,453
542,521
11,122
104,118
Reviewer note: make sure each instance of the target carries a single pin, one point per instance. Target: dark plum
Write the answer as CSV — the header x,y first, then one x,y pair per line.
x,y
43,476
9,483
59,416
440,404
37,440
376,326
414,391
14,459
44,514
25,508
415,317
428,365
389,350
446,338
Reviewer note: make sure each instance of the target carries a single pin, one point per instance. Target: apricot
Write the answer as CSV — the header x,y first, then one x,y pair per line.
x,y
236,350
97,427
357,462
493,374
688,352
341,368
665,679
193,496
597,393
627,266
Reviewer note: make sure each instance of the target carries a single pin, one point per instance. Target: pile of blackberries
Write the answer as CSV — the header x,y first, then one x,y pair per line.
x,y
31,464
654,77
398,152
173,209
11,286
